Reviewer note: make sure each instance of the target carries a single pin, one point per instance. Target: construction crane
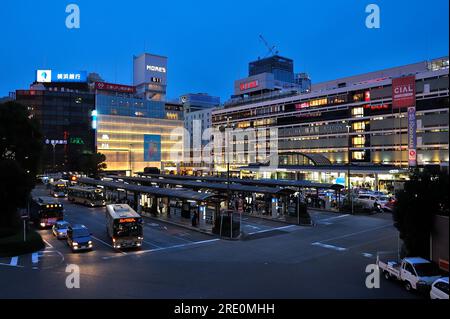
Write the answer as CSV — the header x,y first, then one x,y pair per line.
x,y
271,49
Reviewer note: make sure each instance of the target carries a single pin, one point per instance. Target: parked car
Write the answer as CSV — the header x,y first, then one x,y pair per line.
x,y
371,202
59,230
79,238
439,289
415,272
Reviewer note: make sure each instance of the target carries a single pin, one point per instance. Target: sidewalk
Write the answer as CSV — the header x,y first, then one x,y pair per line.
x,y
177,220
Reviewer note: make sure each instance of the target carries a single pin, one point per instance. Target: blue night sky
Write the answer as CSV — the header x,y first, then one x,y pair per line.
x,y
209,43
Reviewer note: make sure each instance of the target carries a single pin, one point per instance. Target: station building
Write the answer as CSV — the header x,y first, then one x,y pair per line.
x,y
344,124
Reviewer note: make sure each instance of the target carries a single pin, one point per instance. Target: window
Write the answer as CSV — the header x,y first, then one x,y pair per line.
x,y
358,156
358,141
410,269
358,112
442,286
358,126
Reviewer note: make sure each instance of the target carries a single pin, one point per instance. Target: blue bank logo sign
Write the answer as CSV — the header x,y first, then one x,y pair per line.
x,y
48,76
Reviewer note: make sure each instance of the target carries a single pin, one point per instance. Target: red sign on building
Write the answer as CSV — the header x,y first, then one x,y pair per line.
x,y
404,92
115,87
249,85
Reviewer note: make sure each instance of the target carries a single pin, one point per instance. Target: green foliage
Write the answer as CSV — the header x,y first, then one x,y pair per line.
x,y
20,153
93,164
424,195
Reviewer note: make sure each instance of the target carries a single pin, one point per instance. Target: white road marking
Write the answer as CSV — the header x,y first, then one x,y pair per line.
x,y
356,233
368,255
14,261
35,258
271,229
166,248
105,243
47,243
329,246
333,218
151,244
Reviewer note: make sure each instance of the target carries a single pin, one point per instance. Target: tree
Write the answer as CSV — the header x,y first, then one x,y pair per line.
x,y
20,153
424,195
93,164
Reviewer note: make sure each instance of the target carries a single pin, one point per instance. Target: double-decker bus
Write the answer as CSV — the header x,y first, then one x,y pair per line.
x,y
124,226
46,211
87,195
58,189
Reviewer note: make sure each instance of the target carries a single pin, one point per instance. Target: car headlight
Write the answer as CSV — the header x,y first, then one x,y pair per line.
x,y
42,224
75,244
90,242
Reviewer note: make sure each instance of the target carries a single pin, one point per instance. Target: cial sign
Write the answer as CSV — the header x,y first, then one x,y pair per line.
x,y
404,92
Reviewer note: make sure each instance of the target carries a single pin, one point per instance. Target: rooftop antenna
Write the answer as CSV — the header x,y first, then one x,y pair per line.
x,y
271,48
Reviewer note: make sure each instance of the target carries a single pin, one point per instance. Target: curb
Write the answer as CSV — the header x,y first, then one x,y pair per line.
x,y
181,225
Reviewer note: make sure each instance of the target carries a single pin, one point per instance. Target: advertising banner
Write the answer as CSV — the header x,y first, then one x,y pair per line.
x,y
152,148
412,137
404,92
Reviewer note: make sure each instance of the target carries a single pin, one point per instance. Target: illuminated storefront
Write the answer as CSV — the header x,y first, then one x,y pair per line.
x,y
134,133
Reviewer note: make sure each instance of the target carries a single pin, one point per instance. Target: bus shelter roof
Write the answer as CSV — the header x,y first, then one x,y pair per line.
x,y
254,182
208,185
161,192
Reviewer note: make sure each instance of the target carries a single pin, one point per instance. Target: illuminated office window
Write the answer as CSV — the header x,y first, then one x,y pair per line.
x,y
358,112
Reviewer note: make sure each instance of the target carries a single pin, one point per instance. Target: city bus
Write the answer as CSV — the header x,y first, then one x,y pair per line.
x,y
58,189
86,195
46,211
124,226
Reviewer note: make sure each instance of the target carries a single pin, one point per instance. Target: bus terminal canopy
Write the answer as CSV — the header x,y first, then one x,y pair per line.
x,y
255,182
211,186
160,192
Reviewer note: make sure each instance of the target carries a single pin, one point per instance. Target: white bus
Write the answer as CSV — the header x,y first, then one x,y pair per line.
x,y
89,196
124,226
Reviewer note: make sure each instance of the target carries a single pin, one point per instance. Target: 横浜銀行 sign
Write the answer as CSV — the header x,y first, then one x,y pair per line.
x,y
48,76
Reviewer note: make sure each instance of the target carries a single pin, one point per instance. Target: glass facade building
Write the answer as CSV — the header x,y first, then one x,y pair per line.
x,y
65,116
134,133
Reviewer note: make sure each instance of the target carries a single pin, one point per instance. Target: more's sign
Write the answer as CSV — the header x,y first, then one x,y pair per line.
x,y
404,92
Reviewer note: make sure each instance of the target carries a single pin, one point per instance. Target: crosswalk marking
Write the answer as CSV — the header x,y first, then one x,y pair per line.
x,y
329,246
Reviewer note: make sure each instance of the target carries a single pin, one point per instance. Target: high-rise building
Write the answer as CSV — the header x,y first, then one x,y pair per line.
x,y
304,82
150,76
282,68
63,105
198,108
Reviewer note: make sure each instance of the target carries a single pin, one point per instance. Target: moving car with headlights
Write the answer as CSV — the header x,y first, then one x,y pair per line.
x,y
59,230
439,289
124,226
46,211
415,272
58,189
79,238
